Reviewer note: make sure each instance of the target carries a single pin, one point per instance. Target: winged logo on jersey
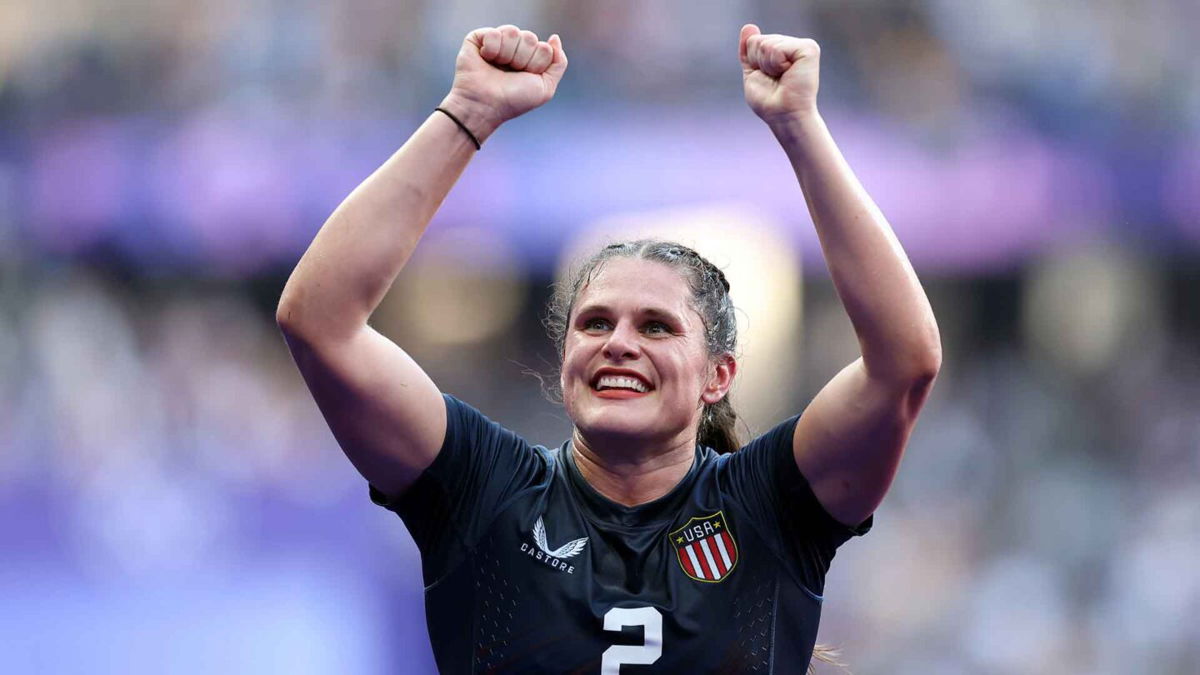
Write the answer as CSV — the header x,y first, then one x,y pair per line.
x,y
568,550
705,548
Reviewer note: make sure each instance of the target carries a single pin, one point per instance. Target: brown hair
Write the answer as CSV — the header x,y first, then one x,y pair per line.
x,y
825,654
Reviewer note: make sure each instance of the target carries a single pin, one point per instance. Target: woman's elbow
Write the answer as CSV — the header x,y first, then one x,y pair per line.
x,y
287,315
925,355
927,363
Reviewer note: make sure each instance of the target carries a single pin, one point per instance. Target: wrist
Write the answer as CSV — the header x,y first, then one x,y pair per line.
x,y
794,127
480,119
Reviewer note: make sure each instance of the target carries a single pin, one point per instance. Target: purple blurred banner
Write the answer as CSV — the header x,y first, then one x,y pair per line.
x,y
239,193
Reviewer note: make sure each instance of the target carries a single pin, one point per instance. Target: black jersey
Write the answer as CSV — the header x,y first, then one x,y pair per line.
x,y
528,569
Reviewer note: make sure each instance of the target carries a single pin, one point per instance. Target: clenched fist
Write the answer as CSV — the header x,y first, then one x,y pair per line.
x,y
780,73
501,73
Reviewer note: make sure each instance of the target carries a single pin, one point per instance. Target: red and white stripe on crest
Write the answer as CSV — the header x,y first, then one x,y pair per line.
x,y
709,558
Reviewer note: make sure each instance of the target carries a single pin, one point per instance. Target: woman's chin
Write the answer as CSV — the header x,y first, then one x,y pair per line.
x,y
619,414
618,424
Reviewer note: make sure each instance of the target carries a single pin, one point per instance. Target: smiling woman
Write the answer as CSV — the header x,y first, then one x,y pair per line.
x,y
651,537
664,302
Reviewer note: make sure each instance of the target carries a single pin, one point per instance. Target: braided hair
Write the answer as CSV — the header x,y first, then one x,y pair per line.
x,y
710,299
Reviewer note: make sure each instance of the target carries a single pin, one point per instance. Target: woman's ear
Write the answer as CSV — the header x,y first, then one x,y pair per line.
x,y
720,379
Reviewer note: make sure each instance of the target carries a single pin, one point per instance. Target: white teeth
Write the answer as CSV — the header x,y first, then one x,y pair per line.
x,y
617,382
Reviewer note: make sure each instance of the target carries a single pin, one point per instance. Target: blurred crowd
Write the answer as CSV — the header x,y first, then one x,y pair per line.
x,y
171,494
1065,63
202,134
1045,520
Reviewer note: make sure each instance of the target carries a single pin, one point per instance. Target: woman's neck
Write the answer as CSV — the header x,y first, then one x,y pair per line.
x,y
633,478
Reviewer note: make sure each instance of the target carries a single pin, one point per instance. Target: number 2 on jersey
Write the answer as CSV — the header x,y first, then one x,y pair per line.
x,y
646,653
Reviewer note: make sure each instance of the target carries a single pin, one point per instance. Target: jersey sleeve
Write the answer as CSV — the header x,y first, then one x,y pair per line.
x,y
479,469
763,477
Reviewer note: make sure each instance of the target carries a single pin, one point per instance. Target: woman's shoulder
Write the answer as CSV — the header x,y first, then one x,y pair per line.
x,y
468,424
777,437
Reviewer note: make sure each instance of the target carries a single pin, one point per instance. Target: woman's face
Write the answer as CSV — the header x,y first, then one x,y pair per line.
x,y
635,363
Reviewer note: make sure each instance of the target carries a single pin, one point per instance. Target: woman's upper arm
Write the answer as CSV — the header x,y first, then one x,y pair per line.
x,y
383,409
849,441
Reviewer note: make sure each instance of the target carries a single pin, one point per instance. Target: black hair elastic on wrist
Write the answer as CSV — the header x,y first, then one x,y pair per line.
x,y
462,126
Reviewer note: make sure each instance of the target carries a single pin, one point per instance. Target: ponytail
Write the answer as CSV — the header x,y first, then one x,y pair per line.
x,y
826,654
717,427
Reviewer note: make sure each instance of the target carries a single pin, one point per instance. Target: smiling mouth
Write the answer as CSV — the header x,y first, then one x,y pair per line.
x,y
620,383
619,386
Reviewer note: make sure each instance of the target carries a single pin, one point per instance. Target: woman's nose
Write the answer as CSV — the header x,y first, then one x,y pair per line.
x,y
622,343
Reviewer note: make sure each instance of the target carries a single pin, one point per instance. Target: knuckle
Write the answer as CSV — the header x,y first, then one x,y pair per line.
x,y
509,31
529,37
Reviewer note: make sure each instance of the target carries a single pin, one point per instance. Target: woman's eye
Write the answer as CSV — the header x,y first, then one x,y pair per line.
x,y
650,328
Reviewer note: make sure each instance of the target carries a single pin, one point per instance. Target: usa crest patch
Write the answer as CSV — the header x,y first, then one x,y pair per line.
x,y
705,548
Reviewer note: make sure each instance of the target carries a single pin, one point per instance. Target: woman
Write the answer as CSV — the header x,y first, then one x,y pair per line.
x,y
632,543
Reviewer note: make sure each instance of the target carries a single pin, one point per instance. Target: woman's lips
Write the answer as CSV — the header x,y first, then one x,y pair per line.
x,y
619,393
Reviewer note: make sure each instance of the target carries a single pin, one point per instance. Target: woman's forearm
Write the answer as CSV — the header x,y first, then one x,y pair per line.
x,y
887,306
360,249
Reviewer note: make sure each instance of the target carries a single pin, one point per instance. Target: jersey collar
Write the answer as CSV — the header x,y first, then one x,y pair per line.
x,y
662,509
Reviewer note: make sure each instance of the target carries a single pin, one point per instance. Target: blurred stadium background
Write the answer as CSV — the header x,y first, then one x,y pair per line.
x,y
172,500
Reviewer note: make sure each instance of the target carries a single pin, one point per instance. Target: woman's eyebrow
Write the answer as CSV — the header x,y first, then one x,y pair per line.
x,y
593,309
655,313
648,312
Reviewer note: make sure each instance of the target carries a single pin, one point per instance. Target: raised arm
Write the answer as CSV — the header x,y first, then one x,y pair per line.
x,y
849,440
386,413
